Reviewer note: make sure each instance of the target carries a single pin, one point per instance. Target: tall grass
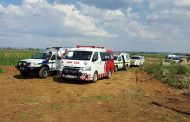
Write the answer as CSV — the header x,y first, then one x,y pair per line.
x,y
11,56
1,70
177,76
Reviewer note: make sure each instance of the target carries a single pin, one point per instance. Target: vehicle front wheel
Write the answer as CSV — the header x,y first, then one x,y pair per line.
x,y
115,68
109,74
44,72
95,77
126,67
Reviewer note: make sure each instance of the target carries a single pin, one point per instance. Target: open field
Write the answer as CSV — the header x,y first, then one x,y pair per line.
x,y
128,96
12,56
175,75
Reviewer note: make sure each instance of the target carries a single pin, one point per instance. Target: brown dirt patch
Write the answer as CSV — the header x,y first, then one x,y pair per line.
x,y
127,96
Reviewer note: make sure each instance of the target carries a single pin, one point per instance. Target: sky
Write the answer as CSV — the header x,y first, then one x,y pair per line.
x,y
127,25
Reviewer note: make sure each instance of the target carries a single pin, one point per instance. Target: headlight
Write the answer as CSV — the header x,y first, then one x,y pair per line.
x,y
24,63
86,68
33,64
137,61
19,63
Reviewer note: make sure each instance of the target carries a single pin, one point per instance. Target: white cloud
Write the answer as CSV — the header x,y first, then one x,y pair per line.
x,y
104,4
125,24
183,3
34,1
79,22
38,16
118,21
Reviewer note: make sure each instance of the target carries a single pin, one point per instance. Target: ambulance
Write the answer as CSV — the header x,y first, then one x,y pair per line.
x,y
88,63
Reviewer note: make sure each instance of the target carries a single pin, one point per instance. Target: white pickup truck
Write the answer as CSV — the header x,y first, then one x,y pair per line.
x,y
42,63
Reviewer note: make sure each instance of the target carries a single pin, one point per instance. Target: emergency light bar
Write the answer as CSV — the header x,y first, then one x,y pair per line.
x,y
54,48
89,47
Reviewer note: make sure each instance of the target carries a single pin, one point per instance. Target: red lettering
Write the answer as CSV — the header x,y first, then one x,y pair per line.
x,y
69,62
76,62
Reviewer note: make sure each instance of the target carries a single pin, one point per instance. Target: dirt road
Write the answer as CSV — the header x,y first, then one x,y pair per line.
x,y
127,96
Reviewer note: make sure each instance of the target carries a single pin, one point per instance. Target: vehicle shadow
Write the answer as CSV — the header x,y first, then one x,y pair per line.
x,y
69,81
131,66
26,77
31,76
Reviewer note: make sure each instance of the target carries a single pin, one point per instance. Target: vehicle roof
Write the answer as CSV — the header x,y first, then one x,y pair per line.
x,y
118,54
88,49
53,52
136,56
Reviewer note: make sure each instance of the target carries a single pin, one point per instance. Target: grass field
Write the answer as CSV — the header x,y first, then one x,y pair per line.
x,y
175,75
1,70
12,56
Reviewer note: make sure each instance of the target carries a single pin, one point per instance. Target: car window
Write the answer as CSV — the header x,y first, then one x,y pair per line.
x,y
53,57
119,58
95,56
135,57
105,56
78,55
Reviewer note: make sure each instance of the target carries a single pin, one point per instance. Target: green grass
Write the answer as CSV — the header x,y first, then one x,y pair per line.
x,y
177,76
159,56
1,70
12,56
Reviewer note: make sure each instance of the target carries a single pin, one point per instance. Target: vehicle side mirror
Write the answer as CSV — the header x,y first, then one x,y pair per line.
x,y
53,57
94,59
119,59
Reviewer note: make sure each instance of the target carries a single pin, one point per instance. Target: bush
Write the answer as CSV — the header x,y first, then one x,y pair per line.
x,y
178,70
177,76
177,82
188,58
155,70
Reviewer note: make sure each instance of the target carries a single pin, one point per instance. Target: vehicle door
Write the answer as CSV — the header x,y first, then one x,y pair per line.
x,y
58,63
127,60
97,64
51,62
123,60
120,62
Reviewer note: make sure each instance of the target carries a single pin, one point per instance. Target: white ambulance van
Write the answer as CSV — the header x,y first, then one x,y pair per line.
x,y
87,63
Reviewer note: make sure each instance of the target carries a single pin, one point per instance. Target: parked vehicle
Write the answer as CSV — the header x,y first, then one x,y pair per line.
x,y
173,58
88,63
42,63
121,61
137,60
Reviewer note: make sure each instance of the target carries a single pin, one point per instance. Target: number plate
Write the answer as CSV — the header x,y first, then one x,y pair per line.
x,y
70,76
22,68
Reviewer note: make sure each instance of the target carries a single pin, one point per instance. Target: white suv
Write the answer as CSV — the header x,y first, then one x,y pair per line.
x,y
137,60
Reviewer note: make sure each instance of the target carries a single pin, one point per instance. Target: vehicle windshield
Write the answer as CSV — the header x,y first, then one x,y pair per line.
x,y
115,58
42,56
78,55
174,58
135,57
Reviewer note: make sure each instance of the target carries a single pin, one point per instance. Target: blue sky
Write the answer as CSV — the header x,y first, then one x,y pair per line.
x,y
138,25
